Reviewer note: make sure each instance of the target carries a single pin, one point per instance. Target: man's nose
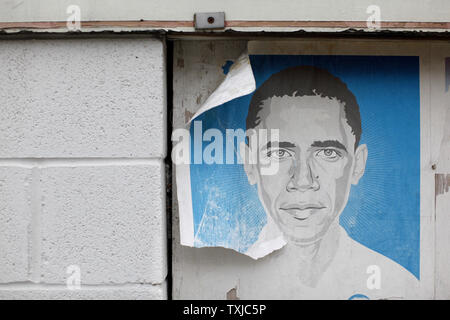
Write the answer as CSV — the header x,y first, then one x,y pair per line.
x,y
302,177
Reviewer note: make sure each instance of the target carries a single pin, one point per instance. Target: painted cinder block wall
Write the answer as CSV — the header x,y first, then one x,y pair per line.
x,y
82,184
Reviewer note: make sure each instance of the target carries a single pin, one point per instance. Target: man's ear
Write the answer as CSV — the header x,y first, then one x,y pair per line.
x,y
249,163
360,163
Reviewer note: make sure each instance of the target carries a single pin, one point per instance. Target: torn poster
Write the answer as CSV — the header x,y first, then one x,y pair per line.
x,y
305,150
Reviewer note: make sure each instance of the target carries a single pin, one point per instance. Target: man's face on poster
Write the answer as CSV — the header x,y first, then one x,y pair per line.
x,y
317,163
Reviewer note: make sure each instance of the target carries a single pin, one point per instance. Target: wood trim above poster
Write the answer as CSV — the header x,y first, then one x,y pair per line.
x,y
237,25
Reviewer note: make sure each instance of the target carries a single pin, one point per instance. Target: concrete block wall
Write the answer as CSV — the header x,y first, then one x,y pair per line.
x,y
82,183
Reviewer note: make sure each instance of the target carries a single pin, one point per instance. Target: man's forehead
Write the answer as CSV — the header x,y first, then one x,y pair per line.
x,y
306,118
282,108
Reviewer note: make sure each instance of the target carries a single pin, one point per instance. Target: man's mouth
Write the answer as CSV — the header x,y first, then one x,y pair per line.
x,y
301,211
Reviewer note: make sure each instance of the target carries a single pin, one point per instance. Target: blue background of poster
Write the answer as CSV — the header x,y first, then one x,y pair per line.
x,y
383,211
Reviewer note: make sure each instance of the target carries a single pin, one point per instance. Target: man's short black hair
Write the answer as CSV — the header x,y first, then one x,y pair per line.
x,y
306,81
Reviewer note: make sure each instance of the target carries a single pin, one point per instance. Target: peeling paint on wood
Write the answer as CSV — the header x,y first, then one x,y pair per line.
x,y
232,294
188,115
442,183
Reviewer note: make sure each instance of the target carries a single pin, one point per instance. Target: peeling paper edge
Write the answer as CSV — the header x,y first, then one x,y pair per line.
x,y
265,248
185,211
240,72
239,82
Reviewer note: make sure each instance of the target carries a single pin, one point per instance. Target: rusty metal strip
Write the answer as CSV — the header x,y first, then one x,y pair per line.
x,y
229,24
338,24
97,24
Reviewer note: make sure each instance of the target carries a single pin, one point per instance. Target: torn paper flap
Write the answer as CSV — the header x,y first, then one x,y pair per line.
x,y
238,82
205,219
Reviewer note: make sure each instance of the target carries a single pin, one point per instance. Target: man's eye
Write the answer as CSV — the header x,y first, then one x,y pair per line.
x,y
278,154
328,154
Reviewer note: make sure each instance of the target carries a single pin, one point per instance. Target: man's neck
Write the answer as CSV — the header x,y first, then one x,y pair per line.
x,y
314,258
313,248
